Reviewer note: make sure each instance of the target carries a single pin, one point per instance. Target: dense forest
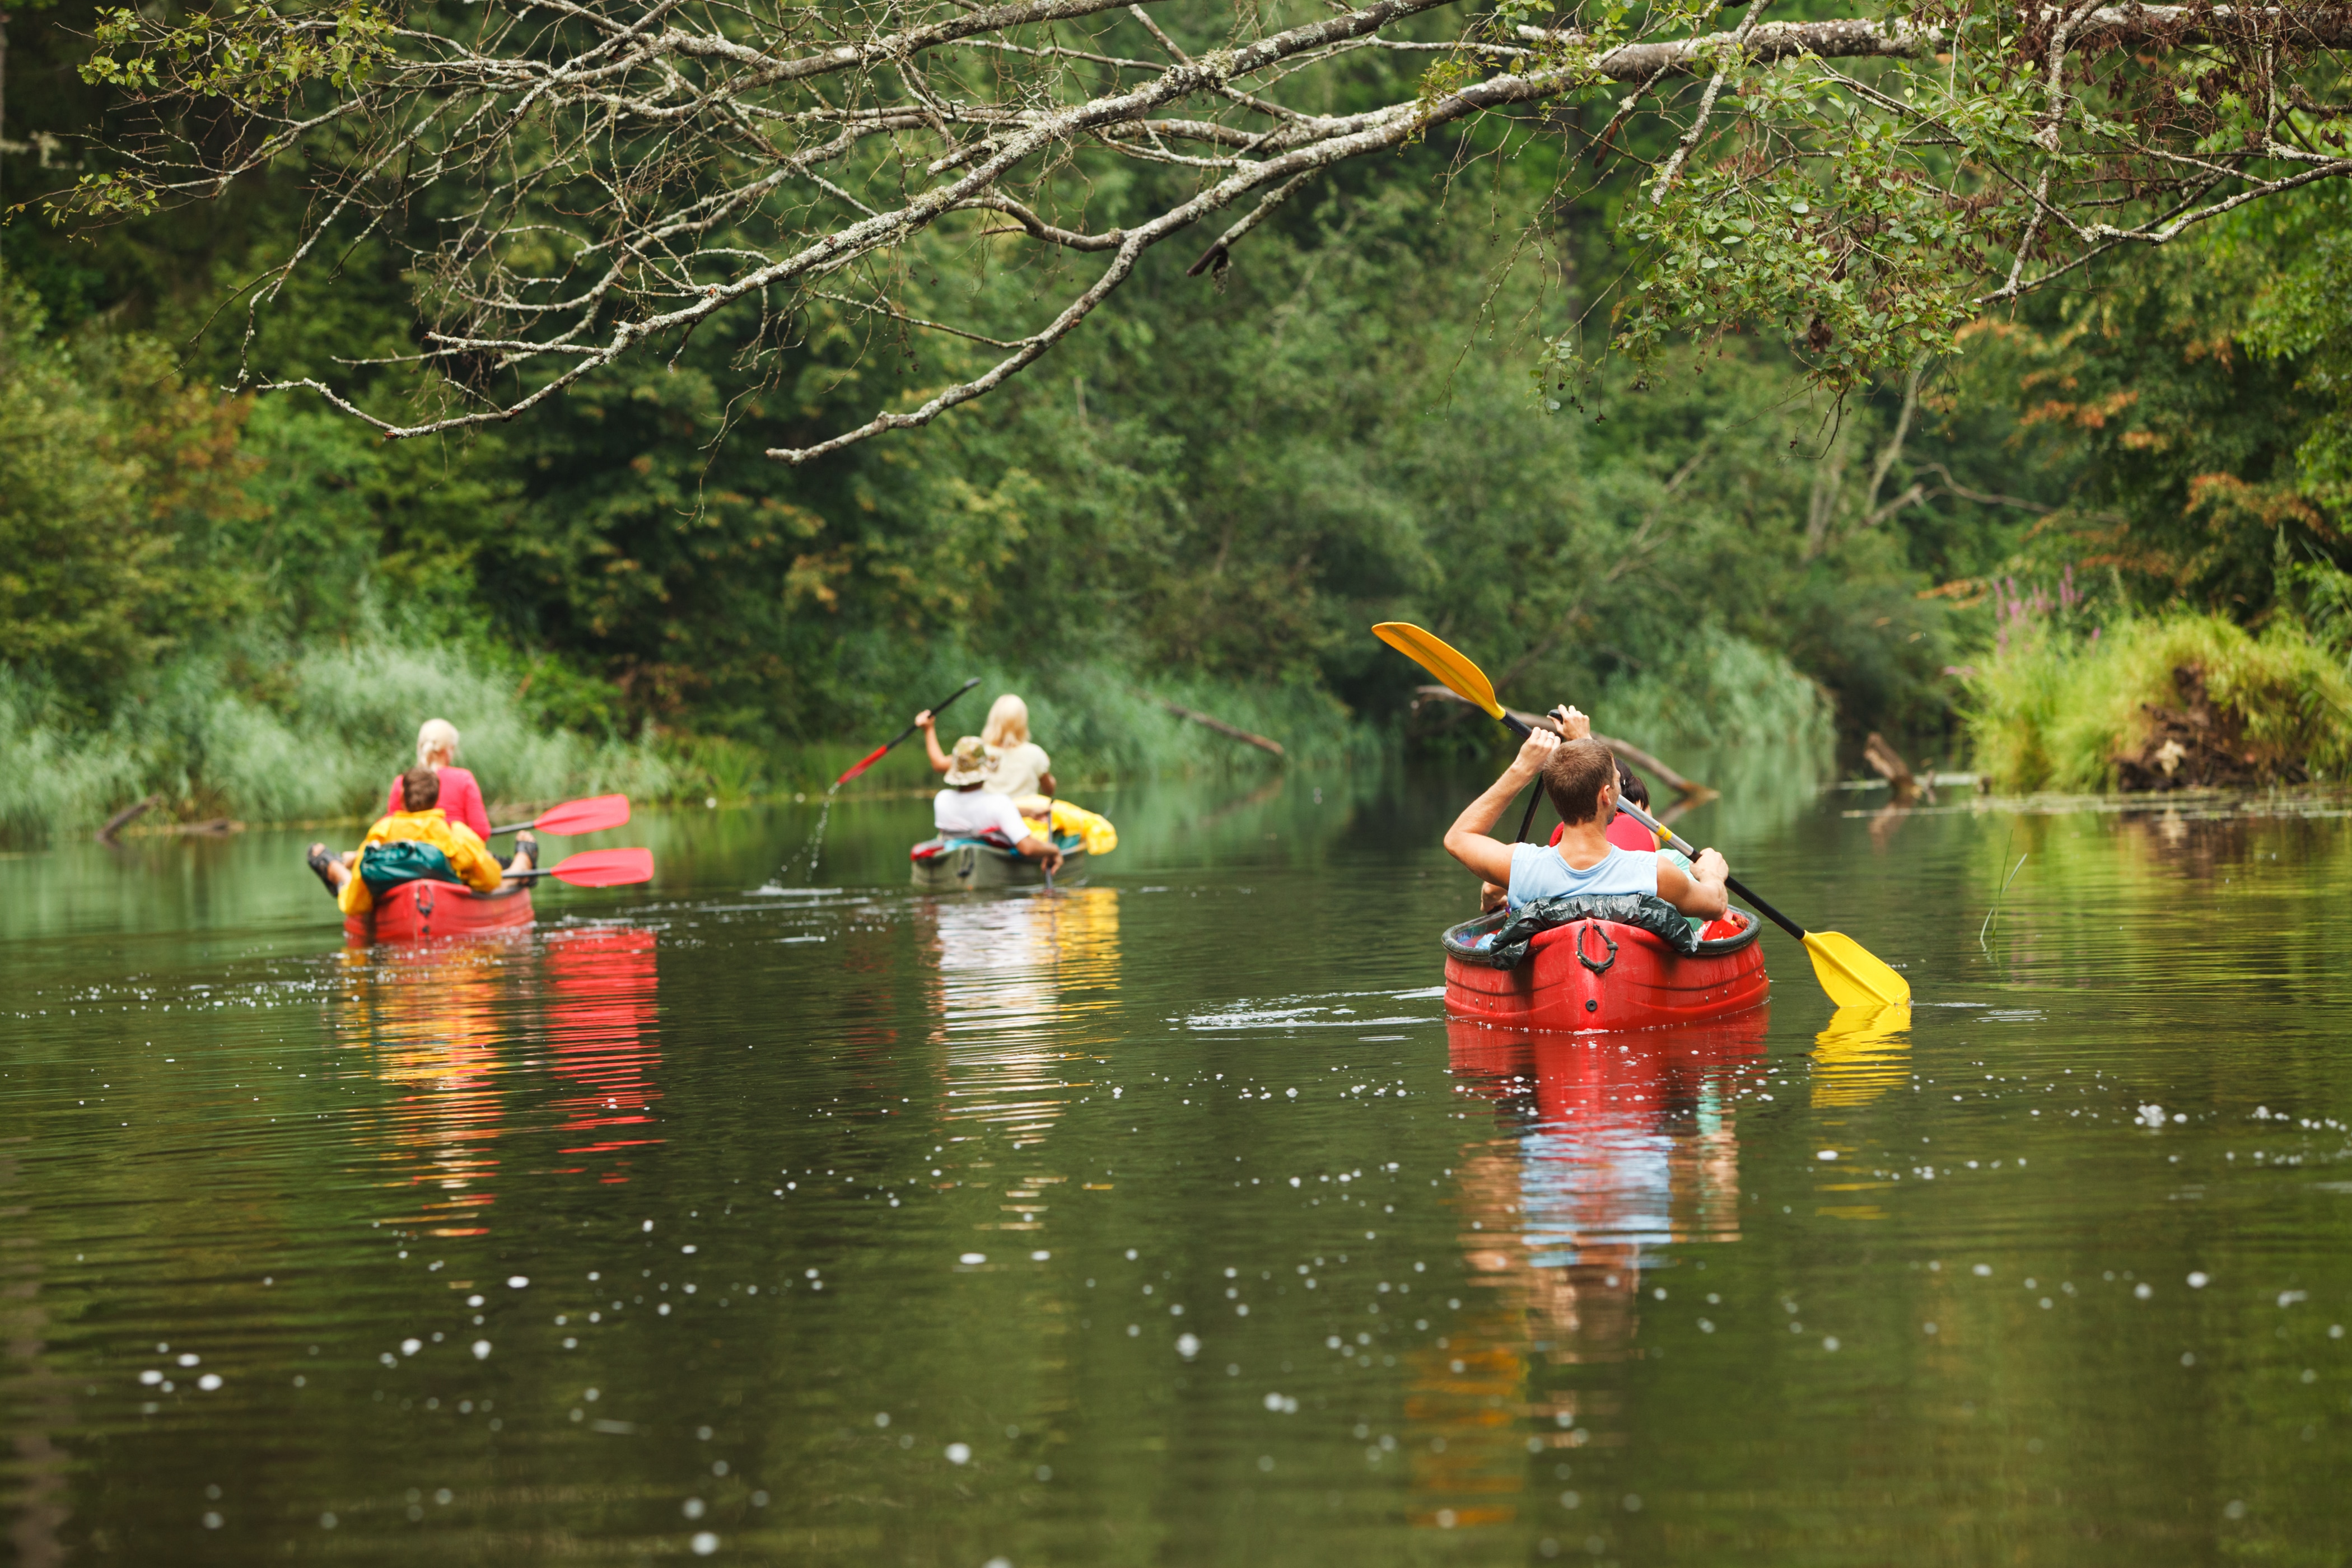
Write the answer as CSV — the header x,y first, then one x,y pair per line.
x,y
1392,402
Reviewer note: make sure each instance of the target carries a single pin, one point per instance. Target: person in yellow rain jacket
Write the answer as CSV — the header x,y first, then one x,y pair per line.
x,y
419,844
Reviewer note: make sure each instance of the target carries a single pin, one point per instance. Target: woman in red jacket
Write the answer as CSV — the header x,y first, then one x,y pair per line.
x,y
461,797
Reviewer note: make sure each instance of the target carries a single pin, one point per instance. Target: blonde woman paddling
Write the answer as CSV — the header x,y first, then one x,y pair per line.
x,y
1017,765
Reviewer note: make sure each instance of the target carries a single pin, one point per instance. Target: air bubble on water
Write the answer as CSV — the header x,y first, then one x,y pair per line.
x,y
1188,1345
704,1543
209,1381
693,1507
973,1257
2198,1279
959,1453
517,1282
882,1418
1982,1271
1040,1256
410,1347
481,1350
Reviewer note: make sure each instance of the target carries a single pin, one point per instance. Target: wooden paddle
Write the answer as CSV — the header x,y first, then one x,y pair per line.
x,y
593,815
1850,972
597,868
875,755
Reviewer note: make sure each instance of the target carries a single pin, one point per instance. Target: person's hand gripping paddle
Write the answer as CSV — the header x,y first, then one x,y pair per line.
x,y
878,753
1850,973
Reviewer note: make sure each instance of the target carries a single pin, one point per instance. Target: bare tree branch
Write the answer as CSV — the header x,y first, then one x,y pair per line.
x,y
572,183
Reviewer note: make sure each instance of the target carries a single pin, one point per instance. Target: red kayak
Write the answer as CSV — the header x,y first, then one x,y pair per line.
x,y
415,910
1596,975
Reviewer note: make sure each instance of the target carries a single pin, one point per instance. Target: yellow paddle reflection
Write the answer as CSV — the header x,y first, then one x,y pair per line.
x,y
1864,1052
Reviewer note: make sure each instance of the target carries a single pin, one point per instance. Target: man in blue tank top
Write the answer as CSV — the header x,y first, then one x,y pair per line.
x,y
1579,774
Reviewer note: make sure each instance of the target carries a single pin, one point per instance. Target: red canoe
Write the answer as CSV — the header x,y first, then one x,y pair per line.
x,y
1594,974
415,910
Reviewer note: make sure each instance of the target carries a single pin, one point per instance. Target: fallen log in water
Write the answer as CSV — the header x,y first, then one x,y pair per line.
x,y
1888,764
1218,725
126,816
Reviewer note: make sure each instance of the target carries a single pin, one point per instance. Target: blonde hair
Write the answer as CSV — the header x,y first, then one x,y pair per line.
x,y
1008,721
435,738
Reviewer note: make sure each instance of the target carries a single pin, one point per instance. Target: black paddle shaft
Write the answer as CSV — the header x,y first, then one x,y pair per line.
x,y
934,710
1673,838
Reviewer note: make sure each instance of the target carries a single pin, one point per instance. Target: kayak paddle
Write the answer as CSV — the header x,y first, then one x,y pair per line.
x,y
593,815
1850,972
598,868
874,756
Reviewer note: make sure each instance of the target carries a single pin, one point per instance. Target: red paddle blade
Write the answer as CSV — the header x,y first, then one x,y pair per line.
x,y
605,867
592,815
864,762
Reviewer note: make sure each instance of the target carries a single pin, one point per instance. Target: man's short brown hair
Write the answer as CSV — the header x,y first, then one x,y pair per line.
x,y
1574,775
420,788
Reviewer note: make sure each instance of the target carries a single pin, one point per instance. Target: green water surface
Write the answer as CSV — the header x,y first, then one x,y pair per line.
x,y
1165,1221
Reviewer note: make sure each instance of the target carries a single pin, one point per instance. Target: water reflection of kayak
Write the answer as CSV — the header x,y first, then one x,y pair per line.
x,y
949,865
415,910
1593,974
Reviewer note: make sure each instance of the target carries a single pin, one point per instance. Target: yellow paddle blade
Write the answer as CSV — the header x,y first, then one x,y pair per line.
x,y
1851,974
1466,679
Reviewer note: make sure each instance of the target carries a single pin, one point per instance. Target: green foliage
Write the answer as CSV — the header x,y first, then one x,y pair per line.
x,y
113,474
1726,249
1729,693
2179,444
2053,708
1207,493
295,732
2303,316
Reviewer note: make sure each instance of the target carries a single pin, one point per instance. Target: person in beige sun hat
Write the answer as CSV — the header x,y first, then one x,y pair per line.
x,y
965,810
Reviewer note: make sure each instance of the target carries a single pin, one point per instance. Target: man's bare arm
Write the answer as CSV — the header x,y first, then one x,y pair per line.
x,y
1698,892
1041,848
1468,840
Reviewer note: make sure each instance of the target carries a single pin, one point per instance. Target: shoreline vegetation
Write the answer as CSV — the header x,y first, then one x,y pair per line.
x,y
2156,704
307,735
2098,543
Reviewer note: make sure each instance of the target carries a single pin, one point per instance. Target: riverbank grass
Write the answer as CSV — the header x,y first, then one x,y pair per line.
x,y
2060,710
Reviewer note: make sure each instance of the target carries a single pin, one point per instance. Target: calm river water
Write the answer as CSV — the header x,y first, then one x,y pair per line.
x,y
1165,1220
